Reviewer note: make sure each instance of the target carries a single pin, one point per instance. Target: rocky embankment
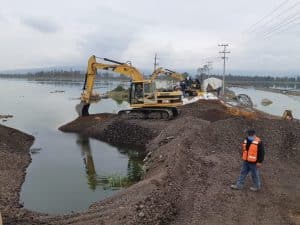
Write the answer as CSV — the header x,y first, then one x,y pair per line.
x,y
191,162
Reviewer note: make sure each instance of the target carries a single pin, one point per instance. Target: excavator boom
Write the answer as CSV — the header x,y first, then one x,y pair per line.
x,y
117,67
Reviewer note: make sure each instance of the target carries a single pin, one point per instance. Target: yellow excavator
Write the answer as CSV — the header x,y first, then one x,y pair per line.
x,y
190,87
167,72
145,101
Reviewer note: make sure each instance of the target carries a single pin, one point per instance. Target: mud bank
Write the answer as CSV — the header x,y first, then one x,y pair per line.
x,y
14,159
110,128
191,162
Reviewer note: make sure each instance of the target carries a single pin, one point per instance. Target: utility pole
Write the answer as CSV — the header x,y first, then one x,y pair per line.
x,y
224,52
155,61
209,67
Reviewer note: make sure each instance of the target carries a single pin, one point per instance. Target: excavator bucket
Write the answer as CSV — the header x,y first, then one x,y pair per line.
x,y
82,109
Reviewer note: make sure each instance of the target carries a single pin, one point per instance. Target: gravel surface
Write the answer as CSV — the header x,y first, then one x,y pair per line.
x,y
191,162
14,159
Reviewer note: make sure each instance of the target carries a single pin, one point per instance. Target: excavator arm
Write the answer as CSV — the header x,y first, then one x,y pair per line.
x,y
170,73
122,68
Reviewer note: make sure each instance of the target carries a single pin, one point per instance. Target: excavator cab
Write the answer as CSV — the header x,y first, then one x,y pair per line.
x,y
142,92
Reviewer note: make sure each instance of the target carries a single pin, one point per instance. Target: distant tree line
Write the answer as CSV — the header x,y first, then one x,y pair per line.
x,y
252,79
261,78
61,75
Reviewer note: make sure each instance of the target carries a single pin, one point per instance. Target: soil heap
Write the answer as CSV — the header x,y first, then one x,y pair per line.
x,y
191,162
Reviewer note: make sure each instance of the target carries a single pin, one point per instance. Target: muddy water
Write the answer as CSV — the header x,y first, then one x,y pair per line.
x,y
68,172
280,103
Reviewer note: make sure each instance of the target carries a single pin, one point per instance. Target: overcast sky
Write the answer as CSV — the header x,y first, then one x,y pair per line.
x,y
185,34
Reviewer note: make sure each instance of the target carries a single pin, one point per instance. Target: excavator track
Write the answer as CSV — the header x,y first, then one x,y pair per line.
x,y
149,113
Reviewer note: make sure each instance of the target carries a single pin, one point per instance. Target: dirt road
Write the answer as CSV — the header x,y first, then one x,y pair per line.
x,y
191,163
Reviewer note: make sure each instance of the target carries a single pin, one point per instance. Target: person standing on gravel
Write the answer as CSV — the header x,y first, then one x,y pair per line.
x,y
253,155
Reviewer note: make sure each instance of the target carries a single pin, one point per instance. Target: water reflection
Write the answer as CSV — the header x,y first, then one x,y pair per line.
x,y
88,160
113,181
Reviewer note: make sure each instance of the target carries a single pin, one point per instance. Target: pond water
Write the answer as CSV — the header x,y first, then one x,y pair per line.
x,y
68,172
280,102
276,85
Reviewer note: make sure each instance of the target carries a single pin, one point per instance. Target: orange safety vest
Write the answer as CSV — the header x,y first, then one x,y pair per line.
x,y
251,154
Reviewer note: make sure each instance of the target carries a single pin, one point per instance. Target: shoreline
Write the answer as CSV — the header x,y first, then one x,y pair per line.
x,y
273,90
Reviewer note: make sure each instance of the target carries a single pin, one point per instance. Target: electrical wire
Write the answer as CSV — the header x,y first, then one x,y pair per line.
x,y
264,25
282,24
288,26
267,15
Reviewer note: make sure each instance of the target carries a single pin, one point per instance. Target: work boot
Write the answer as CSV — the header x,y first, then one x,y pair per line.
x,y
235,187
254,189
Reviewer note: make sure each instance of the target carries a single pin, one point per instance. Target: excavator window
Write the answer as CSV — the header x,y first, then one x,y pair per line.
x,y
149,93
149,88
137,93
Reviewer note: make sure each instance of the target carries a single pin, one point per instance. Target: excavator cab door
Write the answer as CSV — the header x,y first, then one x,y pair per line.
x,y
136,93
149,93
142,93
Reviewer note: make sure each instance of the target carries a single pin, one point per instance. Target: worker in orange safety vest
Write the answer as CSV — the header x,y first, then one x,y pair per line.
x,y
253,155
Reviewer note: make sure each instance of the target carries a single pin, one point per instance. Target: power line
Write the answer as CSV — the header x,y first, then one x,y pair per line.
x,y
282,23
268,14
276,26
260,28
224,52
286,26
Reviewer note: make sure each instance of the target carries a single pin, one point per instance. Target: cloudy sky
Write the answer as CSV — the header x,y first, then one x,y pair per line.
x,y
262,35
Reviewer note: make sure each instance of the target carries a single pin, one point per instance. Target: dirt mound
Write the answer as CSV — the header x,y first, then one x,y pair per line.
x,y
14,159
134,135
110,128
82,123
211,111
190,165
